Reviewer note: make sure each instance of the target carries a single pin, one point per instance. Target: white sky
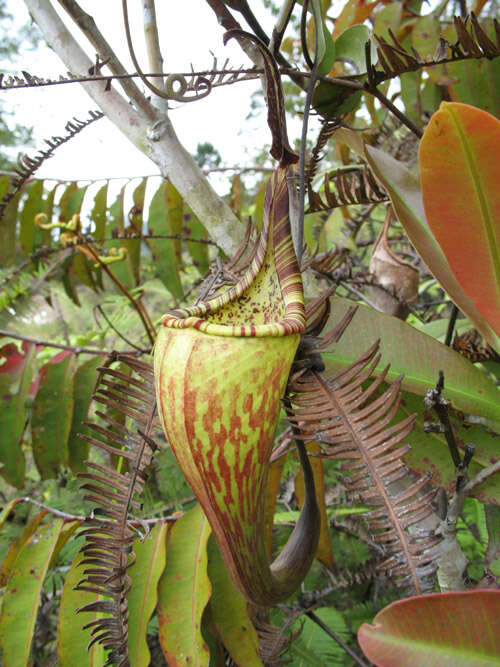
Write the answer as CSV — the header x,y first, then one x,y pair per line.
x,y
188,33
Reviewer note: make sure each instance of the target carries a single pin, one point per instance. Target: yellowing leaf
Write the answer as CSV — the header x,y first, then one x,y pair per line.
x,y
230,613
184,591
72,641
145,573
23,588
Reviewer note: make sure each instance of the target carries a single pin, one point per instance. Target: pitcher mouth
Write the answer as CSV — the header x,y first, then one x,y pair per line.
x,y
268,299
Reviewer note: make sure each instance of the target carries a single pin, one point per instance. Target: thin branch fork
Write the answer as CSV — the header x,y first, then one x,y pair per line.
x,y
66,516
71,348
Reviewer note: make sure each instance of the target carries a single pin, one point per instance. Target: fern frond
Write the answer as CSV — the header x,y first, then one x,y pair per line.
x,y
328,127
472,43
27,166
346,415
108,546
351,187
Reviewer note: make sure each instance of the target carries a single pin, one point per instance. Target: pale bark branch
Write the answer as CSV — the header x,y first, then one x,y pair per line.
x,y
88,26
153,48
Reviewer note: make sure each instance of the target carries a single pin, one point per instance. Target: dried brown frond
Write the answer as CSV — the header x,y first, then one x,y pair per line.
x,y
347,414
328,127
27,166
472,43
274,642
357,186
129,393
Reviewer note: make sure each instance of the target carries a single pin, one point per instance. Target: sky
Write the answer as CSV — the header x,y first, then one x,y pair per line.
x,y
189,35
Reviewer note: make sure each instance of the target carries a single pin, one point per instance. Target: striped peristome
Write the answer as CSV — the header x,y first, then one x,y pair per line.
x,y
221,369
273,272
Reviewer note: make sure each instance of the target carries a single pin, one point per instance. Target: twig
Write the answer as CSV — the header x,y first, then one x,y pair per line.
x,y
77,517
139,307
481,477
336,637
371,87
303,139
153,43
451,325
99,308
88,26
451,559
72,348
280,26
434,400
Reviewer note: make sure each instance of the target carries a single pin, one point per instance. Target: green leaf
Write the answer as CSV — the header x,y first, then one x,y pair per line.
x,y
460,174
350,47
194,229
230,613
98,213
389,17
72,640
174,218
83,387
6,510
52,415
135,219
475,82
22,594
12,422
116,225
145,573
445,629
184,591
32,205
8,226
404,190
17,546
71,201
163,250
417,356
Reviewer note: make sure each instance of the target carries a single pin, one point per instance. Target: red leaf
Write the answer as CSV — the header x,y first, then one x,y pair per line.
x,y
459,629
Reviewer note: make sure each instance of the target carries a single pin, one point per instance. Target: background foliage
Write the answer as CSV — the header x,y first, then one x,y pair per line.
x,y
87,270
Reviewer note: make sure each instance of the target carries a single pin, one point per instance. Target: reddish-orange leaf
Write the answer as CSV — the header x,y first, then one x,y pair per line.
x,y
460,173
457,629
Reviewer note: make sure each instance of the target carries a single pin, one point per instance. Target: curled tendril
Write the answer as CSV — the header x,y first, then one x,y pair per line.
x,y
169,93
74,225
115,255
202,88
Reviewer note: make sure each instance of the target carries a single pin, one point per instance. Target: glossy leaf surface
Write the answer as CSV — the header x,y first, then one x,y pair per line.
x,y
437,630
145,574
415,354
404,190
184,590
72,641
460,172
22,595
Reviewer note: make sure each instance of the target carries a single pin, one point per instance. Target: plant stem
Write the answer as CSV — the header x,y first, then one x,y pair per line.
x,y
72,348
